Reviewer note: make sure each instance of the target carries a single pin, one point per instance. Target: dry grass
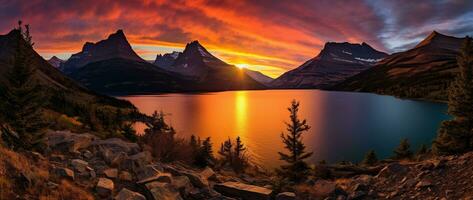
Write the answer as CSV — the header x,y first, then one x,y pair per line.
x,y
67,191
14,165
168,148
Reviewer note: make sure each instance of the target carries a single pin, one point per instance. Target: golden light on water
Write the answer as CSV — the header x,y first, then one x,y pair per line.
x,y
241,112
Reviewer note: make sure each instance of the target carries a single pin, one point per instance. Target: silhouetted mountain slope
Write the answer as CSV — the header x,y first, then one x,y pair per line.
x,y
422,72
55,61
335,63
123,76
258,76
115,46
166,60
208,72
54,82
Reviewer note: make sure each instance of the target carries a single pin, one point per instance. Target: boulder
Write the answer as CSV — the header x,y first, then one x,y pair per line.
x,y
104,187
196,179
174,170
208,174
64,172
136,161
324,188
162,191
65,141
125,176
286,196
146,172
126,194
116,145
183,184
243,191
80,165
111,173
393,168
160,177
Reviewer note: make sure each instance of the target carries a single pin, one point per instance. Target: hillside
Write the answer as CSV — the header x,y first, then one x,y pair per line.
x,y
121,76
58,87
423,72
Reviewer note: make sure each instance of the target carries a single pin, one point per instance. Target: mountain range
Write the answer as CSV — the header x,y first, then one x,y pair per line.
x,y
424,71
334,63
111,66
197,64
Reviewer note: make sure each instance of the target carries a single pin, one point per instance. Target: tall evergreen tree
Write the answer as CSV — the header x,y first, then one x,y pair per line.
x,y
22,98
205,156
456,135
370,158
239,147
226,151
403,150
296,169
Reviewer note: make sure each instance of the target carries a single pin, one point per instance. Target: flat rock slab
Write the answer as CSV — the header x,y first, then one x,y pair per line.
x,y
104,187
68,142
111,173
126,194
162,191
244,191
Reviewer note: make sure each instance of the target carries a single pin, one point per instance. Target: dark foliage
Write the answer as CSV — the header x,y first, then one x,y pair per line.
x,y
370,158
403,150
234,155
22,100
456,135
296,168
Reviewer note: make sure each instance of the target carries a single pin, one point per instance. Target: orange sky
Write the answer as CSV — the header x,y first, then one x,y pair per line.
x,y
265,35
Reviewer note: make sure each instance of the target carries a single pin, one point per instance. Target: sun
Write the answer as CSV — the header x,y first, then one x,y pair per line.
x,y
242,65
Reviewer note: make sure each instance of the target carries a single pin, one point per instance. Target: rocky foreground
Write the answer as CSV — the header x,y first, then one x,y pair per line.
x,y
115,169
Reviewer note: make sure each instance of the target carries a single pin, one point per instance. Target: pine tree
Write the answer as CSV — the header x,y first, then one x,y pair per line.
x,y
129,132
403,150
205,156
23,99
226,151
239,147
195,143
296,169
370,158
157,124
456,135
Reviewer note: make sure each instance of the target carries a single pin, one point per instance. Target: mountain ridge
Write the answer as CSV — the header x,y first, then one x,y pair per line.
x,y
334,63
423,72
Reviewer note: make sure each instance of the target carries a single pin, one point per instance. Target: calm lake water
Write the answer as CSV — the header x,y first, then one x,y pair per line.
x,y
344,126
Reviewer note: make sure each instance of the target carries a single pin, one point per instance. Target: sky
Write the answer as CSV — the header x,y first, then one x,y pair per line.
x,y
265,35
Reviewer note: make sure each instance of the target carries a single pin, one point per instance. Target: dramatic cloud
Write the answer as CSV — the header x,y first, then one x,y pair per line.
x,y
270,36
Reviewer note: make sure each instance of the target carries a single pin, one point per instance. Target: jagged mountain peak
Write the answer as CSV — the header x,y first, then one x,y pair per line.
x,y
115,46
439,40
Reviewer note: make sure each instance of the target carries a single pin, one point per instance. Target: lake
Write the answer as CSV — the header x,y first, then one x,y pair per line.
x,y
344,125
